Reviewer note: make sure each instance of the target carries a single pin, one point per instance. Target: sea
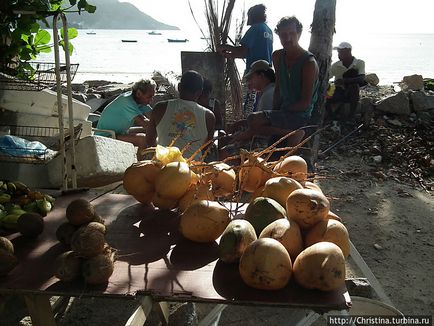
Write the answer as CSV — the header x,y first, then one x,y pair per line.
x,y
102,54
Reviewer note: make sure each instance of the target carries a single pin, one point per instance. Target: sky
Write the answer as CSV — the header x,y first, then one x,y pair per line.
x,y
352,16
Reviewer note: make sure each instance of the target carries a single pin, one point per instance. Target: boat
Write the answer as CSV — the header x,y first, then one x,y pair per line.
x,y
129,41
154,33
176,40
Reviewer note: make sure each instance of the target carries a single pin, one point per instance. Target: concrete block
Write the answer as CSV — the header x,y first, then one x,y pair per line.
x,y
99,161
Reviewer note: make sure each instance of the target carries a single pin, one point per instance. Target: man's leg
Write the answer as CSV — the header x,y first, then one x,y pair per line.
x,y
138,140
353,97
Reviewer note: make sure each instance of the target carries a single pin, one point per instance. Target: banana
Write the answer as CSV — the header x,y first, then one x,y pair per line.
x,y
21,187
10,221
5,198
11,187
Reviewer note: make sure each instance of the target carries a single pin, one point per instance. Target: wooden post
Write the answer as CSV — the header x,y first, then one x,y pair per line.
x,y
321,43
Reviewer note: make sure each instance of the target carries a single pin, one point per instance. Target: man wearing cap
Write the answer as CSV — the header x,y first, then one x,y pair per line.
x,y
349,75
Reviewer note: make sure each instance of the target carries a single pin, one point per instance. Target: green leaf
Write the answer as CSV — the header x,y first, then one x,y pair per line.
x,y
72,33
43,48
90,8
72,2
71,47
42,37
82,4
34,28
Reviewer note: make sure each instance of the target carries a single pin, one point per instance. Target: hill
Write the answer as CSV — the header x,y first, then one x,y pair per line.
x,y
112,14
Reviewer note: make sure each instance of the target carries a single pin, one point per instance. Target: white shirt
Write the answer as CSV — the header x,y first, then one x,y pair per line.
x,y
338,69
185,118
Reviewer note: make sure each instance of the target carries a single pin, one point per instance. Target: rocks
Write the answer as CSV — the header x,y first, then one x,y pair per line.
x,y
413,82
396,104
372,79
422,101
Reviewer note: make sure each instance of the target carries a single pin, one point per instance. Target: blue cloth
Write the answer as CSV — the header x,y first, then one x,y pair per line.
x,y
16,146
120,113
259,41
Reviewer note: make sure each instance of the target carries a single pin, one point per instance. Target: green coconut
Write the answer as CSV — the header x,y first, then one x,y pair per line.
x,y
262,211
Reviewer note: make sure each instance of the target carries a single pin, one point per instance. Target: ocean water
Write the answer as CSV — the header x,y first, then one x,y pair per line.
x,y
102,55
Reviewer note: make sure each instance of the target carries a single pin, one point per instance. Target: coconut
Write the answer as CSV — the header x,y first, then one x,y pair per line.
x,y
67,266
97,227
30,224
88,241
6,244
80,211
98,269
64,233
8,261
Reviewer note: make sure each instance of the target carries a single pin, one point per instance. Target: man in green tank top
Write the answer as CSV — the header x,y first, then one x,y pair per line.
x,y
296,87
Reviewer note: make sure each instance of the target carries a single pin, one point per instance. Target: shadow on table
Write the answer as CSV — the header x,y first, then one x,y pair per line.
x,y
228,283
188,255
142,234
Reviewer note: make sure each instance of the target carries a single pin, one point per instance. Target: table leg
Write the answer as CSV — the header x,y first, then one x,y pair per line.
x,y
213,316
162,309
139,316
40,310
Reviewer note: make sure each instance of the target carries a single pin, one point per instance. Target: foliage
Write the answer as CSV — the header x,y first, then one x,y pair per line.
x,y
219,17
22,37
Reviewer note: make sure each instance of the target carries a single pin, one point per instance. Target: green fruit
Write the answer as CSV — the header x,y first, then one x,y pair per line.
x,y
5,198
31,207
262,211
21,187
10,221
11,187
235,239
44,206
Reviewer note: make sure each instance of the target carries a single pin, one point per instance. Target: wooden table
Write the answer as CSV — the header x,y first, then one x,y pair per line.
x,y
154,264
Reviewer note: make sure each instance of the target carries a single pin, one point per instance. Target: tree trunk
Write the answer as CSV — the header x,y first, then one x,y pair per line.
x,y
321,40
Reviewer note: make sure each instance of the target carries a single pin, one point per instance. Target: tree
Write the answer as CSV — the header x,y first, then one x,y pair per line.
x,y
21,35
321,43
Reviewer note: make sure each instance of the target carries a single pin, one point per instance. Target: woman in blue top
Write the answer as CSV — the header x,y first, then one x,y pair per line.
x,y
257,42
296,87
128,111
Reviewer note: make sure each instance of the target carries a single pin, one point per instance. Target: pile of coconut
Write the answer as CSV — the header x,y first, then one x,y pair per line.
x,y
89,256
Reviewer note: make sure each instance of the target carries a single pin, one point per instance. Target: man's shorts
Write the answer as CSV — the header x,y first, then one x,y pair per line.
x,y
285,119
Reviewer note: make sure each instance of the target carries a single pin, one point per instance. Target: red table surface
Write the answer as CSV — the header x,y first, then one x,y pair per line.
x,y
152,259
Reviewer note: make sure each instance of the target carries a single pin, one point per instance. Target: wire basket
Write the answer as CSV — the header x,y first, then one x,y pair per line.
x,y
47,140
43,77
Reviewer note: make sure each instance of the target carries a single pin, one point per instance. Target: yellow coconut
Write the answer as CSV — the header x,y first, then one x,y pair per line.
x,y
140,177
222,178
293,166
307,207
195,192
279,188
173,180
204,221
252,175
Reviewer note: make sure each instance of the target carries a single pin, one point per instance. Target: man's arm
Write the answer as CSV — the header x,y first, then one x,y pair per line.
x,y
210,124
276,95
155,118
141,121
229,51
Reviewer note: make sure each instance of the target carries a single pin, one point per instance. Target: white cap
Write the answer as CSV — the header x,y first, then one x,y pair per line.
x,y
343,45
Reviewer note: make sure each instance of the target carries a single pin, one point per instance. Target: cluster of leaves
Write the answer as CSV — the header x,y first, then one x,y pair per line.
x,y
22,33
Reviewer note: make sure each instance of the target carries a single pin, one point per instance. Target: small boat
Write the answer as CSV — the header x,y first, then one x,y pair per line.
x,y
129,41
154,33
176,40
90,33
